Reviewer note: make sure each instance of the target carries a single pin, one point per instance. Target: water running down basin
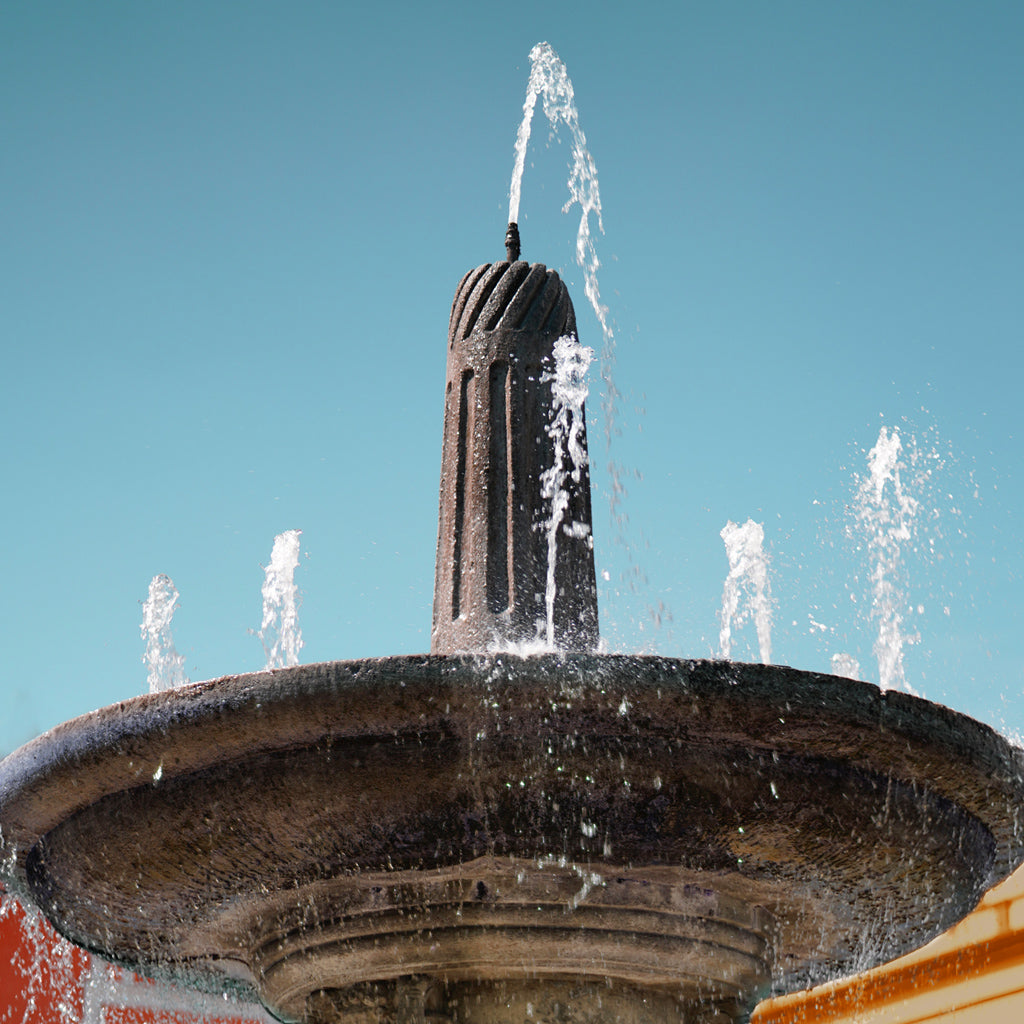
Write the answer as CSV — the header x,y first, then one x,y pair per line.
x,y
432,827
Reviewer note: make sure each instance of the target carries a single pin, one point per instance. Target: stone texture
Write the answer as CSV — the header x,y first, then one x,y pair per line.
x,y
492,557
494,831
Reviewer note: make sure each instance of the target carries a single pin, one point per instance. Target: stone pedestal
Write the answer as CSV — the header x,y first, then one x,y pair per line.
x,y
426,1001
492,548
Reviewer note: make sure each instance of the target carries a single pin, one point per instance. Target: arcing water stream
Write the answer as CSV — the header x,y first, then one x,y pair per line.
x,y
550,82
885,509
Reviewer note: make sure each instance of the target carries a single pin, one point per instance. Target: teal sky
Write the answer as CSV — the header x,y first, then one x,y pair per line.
x,y
231,235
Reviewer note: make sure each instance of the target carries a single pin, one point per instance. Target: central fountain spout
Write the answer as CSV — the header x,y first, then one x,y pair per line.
x,y
512,242
492,551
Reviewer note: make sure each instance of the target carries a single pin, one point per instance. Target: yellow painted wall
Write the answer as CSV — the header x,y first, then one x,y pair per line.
x,y
972,973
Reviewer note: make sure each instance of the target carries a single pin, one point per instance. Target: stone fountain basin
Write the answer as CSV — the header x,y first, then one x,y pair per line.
x,y
698,829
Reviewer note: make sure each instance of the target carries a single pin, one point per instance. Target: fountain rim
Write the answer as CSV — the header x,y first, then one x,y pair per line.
x,y
491,707
58,773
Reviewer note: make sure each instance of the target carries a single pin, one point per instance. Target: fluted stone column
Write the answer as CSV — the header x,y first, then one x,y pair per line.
x,y
492,548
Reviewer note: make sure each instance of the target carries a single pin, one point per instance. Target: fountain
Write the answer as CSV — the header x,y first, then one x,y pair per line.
x,y
479,836
485,836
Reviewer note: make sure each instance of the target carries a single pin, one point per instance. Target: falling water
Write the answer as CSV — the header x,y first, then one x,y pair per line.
x,y
280,633
885,514
166,665
746,594
550,81
569,391
108,988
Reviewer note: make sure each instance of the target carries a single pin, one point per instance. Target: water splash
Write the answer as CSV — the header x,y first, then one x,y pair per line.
x,y
845,665
166,665
885,513
569,391
109,988
746,594
279,632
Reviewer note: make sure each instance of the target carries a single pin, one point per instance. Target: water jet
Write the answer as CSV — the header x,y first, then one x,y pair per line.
x,y
479,836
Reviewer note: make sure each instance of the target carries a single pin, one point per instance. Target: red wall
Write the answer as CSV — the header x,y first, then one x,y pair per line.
x,y
38,973
42,979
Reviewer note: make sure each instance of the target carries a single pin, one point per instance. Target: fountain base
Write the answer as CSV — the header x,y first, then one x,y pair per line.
x,y
494,934
453,837
426,1001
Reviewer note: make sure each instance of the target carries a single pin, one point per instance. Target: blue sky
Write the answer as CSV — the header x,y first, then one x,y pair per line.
x,y
232,233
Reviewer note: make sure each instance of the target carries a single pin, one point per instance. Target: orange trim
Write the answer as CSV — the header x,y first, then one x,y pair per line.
x,y
969,1005
887,985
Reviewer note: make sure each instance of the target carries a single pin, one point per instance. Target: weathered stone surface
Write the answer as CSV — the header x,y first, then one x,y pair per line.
x,y
458,826
421,1001
492,552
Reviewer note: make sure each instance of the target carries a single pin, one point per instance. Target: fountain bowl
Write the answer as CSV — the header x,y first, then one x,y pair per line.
x,y
475,835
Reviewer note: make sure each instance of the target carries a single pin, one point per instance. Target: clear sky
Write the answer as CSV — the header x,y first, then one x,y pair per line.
x,y
230,238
